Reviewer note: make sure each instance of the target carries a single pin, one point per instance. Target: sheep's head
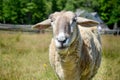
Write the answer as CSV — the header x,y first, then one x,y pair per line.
x,y
64,26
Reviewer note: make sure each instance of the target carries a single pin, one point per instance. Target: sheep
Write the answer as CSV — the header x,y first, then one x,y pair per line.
x,y
75,49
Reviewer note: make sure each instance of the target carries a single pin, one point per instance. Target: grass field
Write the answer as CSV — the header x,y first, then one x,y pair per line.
x,y
25,57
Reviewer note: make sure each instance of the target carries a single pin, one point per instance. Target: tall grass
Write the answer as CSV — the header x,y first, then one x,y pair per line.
x,y
25,57
110,67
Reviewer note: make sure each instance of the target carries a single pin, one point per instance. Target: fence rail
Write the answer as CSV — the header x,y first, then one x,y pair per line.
x,y
23,28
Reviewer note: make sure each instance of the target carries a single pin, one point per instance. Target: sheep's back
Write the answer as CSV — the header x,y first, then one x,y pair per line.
x,y
91,51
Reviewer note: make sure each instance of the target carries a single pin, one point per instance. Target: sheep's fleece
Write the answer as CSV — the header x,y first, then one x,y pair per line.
x,y
82,58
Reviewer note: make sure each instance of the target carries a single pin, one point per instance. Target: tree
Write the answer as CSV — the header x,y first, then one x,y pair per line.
x,y
42,10
110,11
1,2
33,11
9,11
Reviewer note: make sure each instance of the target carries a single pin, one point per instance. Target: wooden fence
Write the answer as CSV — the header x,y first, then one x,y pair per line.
x,y
22,28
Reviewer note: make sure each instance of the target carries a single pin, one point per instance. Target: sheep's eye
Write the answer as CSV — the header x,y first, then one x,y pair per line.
x,y
51,20
74,19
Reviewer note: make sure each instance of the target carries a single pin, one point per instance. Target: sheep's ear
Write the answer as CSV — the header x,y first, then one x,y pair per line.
x,y
86,22
43,25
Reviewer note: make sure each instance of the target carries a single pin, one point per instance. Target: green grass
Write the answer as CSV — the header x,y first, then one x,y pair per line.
x,y
25,57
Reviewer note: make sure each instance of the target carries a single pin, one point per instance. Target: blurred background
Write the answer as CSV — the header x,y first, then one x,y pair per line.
x,y
33,11
24,51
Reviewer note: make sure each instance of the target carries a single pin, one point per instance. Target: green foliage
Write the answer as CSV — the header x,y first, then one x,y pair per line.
x,y
33,11
1,1
110,11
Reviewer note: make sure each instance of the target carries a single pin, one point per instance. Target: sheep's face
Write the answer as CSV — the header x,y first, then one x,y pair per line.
x,y
64,29
64,26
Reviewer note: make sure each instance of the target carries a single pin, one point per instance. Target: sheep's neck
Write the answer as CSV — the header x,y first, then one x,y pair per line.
x,y
70,62
74,49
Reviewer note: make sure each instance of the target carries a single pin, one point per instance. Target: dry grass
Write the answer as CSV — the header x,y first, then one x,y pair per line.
x,y
110,67
25,57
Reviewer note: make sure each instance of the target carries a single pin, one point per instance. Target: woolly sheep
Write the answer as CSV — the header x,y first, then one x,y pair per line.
x,y
75,49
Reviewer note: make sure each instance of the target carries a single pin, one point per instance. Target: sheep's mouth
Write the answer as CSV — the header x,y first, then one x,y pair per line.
x,y
62,45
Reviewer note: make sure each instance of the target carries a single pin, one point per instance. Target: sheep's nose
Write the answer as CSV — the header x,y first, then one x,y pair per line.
x,y
62,41
61,38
